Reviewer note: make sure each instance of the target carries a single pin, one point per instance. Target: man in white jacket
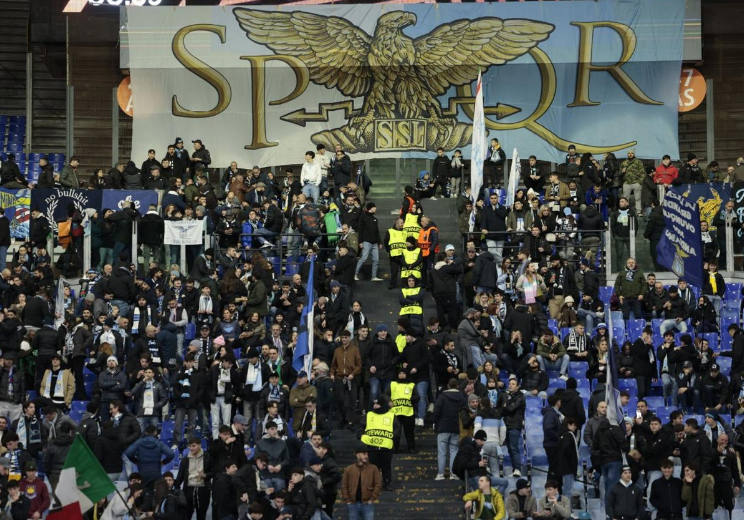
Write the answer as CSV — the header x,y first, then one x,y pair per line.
x,y
311,177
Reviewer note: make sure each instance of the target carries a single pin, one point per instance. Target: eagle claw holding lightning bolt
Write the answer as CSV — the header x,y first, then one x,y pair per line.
x,y
398,76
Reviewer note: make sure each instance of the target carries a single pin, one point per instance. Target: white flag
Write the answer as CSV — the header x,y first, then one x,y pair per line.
x,y
184,232
478,149
514,173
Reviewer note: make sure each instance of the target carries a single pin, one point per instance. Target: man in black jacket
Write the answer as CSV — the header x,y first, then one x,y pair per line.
x,y
440,173
443,284
591,221
304,496
416,359
341,171
493,225
151,230
666,493
46,177
654,230
200,158
225,493
10,175
644,362
625,499
512,406
369,237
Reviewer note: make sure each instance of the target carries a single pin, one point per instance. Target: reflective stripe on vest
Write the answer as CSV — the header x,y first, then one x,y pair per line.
x,y
411,257
397,242
401,394
411,226
414,308
379,431
424,240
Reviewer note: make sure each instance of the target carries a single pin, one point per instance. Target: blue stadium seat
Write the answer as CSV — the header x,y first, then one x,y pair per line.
x,y
79,405
732,304
738,419
553,325
733,291
634,328
537,457
712,338
725,363
617,318
656,325
605,293
663,413
582,383
56,157
628,385
17,119
654,402
728,317
189,332
578,366
556,384
618,334
564,332
14,147
76,415
291,268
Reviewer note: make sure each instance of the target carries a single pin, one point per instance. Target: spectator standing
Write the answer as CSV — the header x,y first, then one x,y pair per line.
x,y
361,486
698,493
446,423
629,287
625,499
149,453
369,237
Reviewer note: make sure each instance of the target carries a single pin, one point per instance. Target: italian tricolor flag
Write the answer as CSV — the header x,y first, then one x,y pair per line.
x,y
82,483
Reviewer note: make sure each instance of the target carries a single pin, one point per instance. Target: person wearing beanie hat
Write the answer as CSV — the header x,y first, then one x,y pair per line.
x,y
404,396
370,239
346,368
521,504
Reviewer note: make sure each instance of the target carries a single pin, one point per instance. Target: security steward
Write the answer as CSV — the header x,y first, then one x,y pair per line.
x,y
395,244
404,396
411,300
412,223
428,242
378,436
411,262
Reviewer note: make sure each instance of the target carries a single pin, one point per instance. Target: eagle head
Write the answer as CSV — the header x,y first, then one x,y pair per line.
x,y
395,20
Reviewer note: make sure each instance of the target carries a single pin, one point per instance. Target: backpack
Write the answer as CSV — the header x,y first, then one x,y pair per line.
x,y
310,221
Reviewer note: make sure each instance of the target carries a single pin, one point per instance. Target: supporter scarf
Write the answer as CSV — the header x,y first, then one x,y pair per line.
x,y
135,320
713,285
253,377
205,303
629,273
274,393
22,430
58,389
148,399
575,342
709,432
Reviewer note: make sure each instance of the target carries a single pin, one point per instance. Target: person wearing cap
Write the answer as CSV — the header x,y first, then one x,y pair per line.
x,y
346,368
369,237
254,376
304,491
299,394
715,390
361,486
489,503
689,389
200,158
57,384
35,490
521,504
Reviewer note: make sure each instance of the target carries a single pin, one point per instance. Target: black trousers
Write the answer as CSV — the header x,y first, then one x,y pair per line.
x,y
197,498
644,386
553,456
394,272
77,367
346,399
406,424
448,311
723,492
383,460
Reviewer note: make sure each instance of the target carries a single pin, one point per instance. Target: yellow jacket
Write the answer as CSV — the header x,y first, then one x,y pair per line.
x,y
479,498
68,385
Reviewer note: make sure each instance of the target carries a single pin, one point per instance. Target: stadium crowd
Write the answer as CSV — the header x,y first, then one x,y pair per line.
x,y
189,378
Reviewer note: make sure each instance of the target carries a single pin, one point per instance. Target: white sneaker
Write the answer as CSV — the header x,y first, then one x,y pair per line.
x,y
454,477
377,279
433,199
439,477
430,408
516,474
356,278
564,377
419,422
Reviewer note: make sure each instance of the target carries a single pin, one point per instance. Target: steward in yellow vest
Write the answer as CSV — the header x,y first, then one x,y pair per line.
x,y
411,300
412,225
395,245
378,436
404,396
411,261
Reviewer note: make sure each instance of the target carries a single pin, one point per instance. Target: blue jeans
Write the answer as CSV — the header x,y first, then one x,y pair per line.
x,y
717,302
477,354
561,364
276,483
652,476
119,248
568,483
514,445
367,249
611,475
588,317
669,387
312,191
422,387
106,255
361,511
497,249
690,396
667,325
264,234
377,386
123,307
146,421
446,441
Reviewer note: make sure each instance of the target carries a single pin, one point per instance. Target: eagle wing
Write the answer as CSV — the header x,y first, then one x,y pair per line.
x,y
334,50
453,53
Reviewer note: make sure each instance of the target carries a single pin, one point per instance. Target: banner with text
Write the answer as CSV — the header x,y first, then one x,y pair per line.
x,y
184,232
261,86
115,200
54,203
681,247
17,205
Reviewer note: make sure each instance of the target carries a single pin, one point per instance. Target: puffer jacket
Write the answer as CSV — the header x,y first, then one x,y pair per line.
x,y
383,355
19,386
148,453
159,397
513,407
112,385
131,177
82,340
108,448
56,454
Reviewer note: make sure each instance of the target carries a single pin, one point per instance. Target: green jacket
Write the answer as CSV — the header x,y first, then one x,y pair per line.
x,y
630,289
634,170
706,498
555,348
68,178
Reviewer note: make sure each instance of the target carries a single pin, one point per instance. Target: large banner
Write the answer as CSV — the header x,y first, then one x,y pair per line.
x,y
17,206
262,85
184,232
710,198
681,247
115,200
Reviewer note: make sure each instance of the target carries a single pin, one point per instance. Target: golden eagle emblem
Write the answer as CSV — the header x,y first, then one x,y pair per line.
x,y
399,77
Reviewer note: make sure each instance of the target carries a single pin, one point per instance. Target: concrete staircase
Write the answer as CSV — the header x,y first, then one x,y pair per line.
x,y
417,496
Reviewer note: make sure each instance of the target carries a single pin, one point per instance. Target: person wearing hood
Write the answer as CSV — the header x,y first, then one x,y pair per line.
x,y
131,177
446,423
485,274
443,284
56,453
378,436
380,362
149,453
468,337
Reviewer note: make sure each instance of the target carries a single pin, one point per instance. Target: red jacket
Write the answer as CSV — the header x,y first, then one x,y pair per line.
x,y
37,493
665,175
